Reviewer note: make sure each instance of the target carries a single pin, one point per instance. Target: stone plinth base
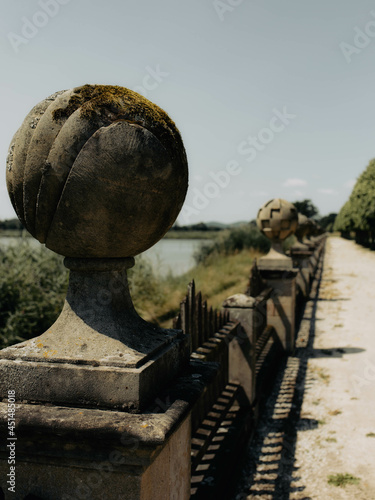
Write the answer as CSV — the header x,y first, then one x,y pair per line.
x,y
93,385
67,453
99,352
303,258
251,313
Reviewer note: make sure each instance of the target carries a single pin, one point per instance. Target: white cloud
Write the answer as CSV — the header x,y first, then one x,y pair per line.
x,y
327,191
350,184
294,183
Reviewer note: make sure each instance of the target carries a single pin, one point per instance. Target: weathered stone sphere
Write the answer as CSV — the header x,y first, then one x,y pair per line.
x,y
310,227
277,219
97,171
303,227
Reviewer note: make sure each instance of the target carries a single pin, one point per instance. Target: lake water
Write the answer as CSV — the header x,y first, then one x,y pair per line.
x,y
173,256
167,256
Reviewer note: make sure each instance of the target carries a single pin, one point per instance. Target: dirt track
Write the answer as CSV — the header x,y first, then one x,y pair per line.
x,y
320,418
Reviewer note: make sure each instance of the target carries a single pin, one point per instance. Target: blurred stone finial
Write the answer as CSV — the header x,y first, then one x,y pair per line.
x,y
301,231
277,219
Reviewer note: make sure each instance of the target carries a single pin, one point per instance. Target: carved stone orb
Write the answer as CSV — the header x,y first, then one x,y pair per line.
x,y
97,171
277,219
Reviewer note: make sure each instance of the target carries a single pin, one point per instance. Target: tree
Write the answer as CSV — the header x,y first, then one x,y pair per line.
x,y
358,213
362,199
11,224
306,207
327,222
344,220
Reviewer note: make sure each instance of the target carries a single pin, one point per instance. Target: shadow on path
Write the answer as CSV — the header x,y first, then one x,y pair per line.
x,y
268,471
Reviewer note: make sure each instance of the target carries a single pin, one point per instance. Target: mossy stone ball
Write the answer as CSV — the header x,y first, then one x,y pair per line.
x,y
97,171
277,219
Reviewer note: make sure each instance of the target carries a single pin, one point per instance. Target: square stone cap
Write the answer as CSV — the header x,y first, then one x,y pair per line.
x,y
81,432
275,264
240,300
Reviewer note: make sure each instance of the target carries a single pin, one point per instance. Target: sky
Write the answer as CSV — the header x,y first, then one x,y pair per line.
x,y
272,98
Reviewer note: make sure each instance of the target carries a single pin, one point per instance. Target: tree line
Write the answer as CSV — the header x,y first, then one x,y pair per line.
x,y
358,214
10,224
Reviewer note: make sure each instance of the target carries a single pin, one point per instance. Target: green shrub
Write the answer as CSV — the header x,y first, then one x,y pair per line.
x,y
233,241
33,284
358,213
144,284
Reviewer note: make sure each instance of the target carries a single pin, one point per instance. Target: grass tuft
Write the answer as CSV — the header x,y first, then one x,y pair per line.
x,y
342,480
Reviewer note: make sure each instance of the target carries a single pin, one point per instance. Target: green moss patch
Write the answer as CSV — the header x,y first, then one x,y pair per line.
x,y
109,103
342,480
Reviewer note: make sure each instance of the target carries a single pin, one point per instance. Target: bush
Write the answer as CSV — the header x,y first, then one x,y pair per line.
x,y
144,284
233,241
33,284
358,213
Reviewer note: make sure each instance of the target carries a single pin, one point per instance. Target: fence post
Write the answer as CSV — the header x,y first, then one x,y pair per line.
x,y
242,356
301,254
278,219
98,174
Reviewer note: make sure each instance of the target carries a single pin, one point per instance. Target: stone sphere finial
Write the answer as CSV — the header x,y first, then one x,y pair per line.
x,y
99,174
310,228
277,219
303,227
97,171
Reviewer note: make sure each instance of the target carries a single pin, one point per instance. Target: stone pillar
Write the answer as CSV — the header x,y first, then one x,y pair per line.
x,y
242,361
301,255
309,234
99,174
251,312
278,219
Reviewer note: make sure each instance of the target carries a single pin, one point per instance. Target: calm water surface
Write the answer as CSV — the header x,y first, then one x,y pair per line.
x,y
173,256
167,256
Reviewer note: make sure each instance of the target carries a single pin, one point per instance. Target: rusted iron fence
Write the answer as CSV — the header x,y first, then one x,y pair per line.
x,y
223,414
197,319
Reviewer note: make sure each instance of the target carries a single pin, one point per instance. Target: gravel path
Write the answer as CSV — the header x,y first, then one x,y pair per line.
x,y
320,418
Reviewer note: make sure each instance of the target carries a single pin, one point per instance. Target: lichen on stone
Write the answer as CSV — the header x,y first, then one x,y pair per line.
x,y
109,103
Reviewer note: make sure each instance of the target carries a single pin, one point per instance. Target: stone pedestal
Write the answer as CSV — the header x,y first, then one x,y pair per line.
x,y
67,453
301,256
99,353
281,305
242,359
251,312
278,219
99,174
